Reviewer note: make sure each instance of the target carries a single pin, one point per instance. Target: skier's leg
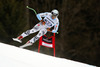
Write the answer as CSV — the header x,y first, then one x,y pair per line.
x,y
41,33
36,28
34,39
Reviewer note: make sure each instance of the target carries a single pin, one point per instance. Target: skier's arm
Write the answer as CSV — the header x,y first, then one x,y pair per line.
x,y
40,15
55,27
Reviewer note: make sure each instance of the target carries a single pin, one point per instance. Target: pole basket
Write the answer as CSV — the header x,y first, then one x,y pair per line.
x,y
47,42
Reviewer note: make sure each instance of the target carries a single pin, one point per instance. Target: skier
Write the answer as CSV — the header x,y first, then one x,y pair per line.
x,y
50,20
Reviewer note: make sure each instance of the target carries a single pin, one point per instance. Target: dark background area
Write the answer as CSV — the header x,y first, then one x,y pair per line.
x,y
79,30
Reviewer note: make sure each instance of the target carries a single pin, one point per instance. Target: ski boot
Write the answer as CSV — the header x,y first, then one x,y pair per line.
x,y
18,39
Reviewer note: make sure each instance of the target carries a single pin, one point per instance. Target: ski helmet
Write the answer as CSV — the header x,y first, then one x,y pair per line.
x,y
55,12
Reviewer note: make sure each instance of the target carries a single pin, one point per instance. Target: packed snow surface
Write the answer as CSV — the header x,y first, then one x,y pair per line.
x,y
11,56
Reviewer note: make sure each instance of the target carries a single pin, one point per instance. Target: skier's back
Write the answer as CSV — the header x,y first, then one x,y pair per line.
x,y
49,20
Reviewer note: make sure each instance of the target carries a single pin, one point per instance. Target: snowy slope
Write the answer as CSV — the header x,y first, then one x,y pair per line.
x,y
11,56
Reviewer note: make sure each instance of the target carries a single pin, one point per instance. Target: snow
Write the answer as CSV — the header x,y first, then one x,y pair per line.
x,y
11,56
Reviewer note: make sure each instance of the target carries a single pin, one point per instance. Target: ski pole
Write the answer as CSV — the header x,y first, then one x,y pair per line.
x,y
31,9
56,32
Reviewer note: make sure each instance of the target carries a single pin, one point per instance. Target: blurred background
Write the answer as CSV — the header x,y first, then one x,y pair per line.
x,y
79,30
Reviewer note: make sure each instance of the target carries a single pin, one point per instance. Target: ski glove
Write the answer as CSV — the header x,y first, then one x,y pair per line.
x,y
43,23
49,29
